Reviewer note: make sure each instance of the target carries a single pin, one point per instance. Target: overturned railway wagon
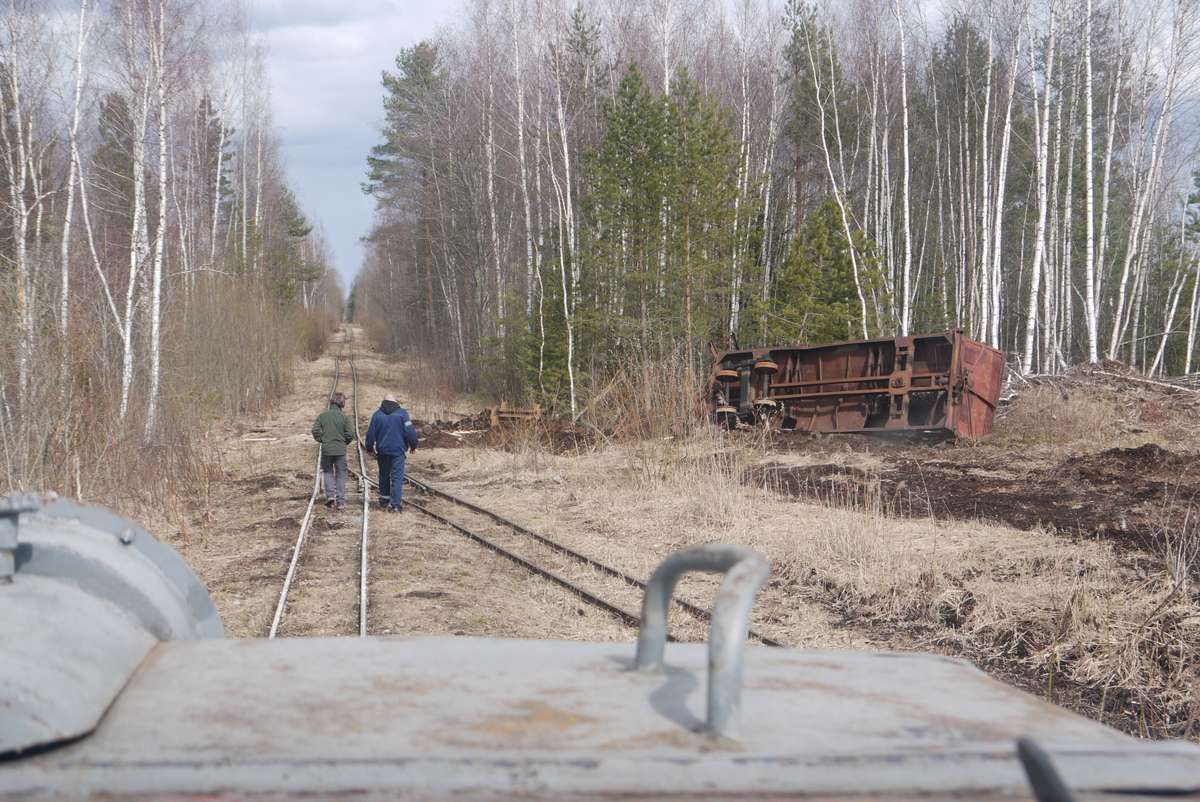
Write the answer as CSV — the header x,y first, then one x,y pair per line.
x,y
116,683
943,384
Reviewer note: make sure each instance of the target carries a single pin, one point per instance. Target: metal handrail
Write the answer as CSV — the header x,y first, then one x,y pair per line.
x,y
745,573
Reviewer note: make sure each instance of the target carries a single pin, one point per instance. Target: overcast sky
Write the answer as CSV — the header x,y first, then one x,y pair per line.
x,y
325,60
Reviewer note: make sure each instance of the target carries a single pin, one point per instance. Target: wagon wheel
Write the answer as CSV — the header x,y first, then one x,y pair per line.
x,y
726,417
766,410
766,366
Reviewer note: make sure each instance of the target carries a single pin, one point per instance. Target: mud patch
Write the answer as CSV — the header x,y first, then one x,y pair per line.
x,y
259,484
423,594
1127,495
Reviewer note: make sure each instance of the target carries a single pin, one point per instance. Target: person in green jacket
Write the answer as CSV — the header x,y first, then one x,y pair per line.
x,y
333,431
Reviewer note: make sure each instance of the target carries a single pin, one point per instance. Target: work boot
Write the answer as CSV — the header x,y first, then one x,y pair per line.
x,y
329,502
341,508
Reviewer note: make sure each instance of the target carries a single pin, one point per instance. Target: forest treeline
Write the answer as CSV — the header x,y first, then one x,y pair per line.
x,y
563,189
155,269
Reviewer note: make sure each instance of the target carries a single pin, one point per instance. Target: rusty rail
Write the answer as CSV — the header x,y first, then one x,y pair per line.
x,y
629,618
345,352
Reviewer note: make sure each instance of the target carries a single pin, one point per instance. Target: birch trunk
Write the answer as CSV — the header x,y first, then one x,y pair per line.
x,y
1091,310
906,287
1161,128
160,234
64,314
138,245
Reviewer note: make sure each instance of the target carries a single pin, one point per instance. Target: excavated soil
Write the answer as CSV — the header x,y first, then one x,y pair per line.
x,y
1127,495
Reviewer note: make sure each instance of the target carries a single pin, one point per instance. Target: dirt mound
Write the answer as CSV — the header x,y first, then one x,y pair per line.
x,y
1117,465
1129,495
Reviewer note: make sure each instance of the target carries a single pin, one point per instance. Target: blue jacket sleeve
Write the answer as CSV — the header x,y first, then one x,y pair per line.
x,y
410,433
372,432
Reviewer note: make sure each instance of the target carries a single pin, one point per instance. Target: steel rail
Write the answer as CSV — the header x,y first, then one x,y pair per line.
x,y
425,487
632,619
366,495
304,525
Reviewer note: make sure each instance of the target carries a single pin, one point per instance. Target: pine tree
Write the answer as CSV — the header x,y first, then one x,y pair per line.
x,y
815,299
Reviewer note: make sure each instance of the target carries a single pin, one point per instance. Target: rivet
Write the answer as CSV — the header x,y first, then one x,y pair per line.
x,y
127,535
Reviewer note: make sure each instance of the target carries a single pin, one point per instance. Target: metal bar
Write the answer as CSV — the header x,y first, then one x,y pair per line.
x,y
695,610
745,573
885,377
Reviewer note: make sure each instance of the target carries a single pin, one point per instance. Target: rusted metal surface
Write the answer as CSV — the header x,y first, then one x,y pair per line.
x,y
485,718
944,383
504,415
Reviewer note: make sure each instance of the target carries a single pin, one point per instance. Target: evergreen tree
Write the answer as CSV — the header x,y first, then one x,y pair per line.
x,y
815,299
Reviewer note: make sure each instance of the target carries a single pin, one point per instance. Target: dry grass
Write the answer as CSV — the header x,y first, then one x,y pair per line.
x,y
425,389
1056,416
1030,605
648,399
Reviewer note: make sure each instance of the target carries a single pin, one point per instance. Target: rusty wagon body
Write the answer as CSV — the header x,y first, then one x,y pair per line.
x,y
943,383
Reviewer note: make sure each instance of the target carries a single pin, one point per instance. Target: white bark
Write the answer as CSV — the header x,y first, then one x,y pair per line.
x,y
906,274
1042,140
160,234
1001,184
1091,309
835,184
516,7
1162,127
64,314
138,245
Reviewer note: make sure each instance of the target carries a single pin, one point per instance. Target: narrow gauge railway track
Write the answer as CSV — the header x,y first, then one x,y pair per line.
x,y
345,354
517,543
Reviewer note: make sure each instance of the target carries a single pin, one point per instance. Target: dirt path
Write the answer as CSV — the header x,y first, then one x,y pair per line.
x,y
423,577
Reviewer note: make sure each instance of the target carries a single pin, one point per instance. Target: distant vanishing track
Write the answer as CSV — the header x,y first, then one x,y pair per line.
x,y
345,352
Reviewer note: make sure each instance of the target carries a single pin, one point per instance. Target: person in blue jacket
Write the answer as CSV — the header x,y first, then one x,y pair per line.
x,y
389,437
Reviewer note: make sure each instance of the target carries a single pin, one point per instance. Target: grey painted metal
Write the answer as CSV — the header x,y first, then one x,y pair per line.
x,y
91,595
420,718
11,509
745,572
64,656
699,612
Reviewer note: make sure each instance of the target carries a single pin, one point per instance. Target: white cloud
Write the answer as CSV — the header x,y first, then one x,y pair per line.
x,y
326,57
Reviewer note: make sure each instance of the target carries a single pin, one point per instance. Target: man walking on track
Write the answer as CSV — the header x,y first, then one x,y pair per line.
x,y
333,431
390,435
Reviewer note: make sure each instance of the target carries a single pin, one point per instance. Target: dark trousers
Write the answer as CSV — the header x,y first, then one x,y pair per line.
x,y
385,477
391,480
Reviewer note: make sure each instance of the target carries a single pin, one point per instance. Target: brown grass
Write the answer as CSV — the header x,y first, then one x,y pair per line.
x,y
1051,613
1056,416
229,351
648,399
